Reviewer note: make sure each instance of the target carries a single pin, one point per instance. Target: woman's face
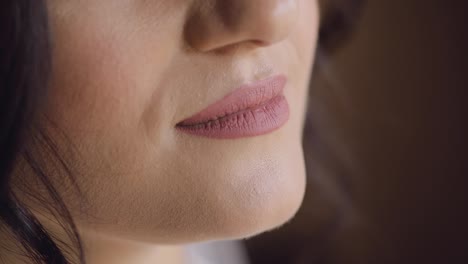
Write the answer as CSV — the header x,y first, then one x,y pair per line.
x,y
126,73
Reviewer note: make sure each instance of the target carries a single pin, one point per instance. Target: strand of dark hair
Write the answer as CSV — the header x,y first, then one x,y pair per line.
x,y
24,69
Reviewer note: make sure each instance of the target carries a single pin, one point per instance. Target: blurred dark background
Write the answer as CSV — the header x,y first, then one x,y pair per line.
x,y
386,144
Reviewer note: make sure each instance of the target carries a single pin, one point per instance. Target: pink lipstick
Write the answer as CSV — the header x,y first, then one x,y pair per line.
x,y
251,110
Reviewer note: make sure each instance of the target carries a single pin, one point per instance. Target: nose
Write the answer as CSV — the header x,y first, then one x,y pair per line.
x,y
217,24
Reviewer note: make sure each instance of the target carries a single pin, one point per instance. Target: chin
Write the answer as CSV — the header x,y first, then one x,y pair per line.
x,y
242,196
262,220
256,201
270,201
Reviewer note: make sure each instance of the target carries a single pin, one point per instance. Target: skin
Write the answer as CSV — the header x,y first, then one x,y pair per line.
x,y
126,72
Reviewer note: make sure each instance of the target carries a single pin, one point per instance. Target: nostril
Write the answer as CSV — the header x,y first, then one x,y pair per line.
x,y
260,43
238,47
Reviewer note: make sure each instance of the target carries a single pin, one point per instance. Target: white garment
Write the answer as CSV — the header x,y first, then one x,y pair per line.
x,y
223,252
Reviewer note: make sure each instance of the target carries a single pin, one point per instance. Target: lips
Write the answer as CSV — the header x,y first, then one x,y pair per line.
x,y
251,110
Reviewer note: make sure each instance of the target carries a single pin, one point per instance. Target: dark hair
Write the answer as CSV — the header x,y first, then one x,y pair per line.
x,y
24,69
25,64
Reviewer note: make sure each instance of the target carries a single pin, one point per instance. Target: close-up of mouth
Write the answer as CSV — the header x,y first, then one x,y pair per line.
x,y
233,132
251,110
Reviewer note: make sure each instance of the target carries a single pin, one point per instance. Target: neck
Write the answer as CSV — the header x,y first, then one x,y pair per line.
x,y
99,250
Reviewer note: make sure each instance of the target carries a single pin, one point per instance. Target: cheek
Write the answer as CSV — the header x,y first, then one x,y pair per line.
x,y
105,96
299,62
305,35
103,83
95,80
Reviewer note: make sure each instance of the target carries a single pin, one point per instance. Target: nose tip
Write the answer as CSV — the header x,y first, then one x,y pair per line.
x,y
234,22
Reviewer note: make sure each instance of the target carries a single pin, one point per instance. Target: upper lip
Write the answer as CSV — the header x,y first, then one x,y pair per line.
x,y
243,98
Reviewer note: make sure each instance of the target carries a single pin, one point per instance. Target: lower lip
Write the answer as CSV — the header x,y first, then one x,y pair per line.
x,y
254,121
